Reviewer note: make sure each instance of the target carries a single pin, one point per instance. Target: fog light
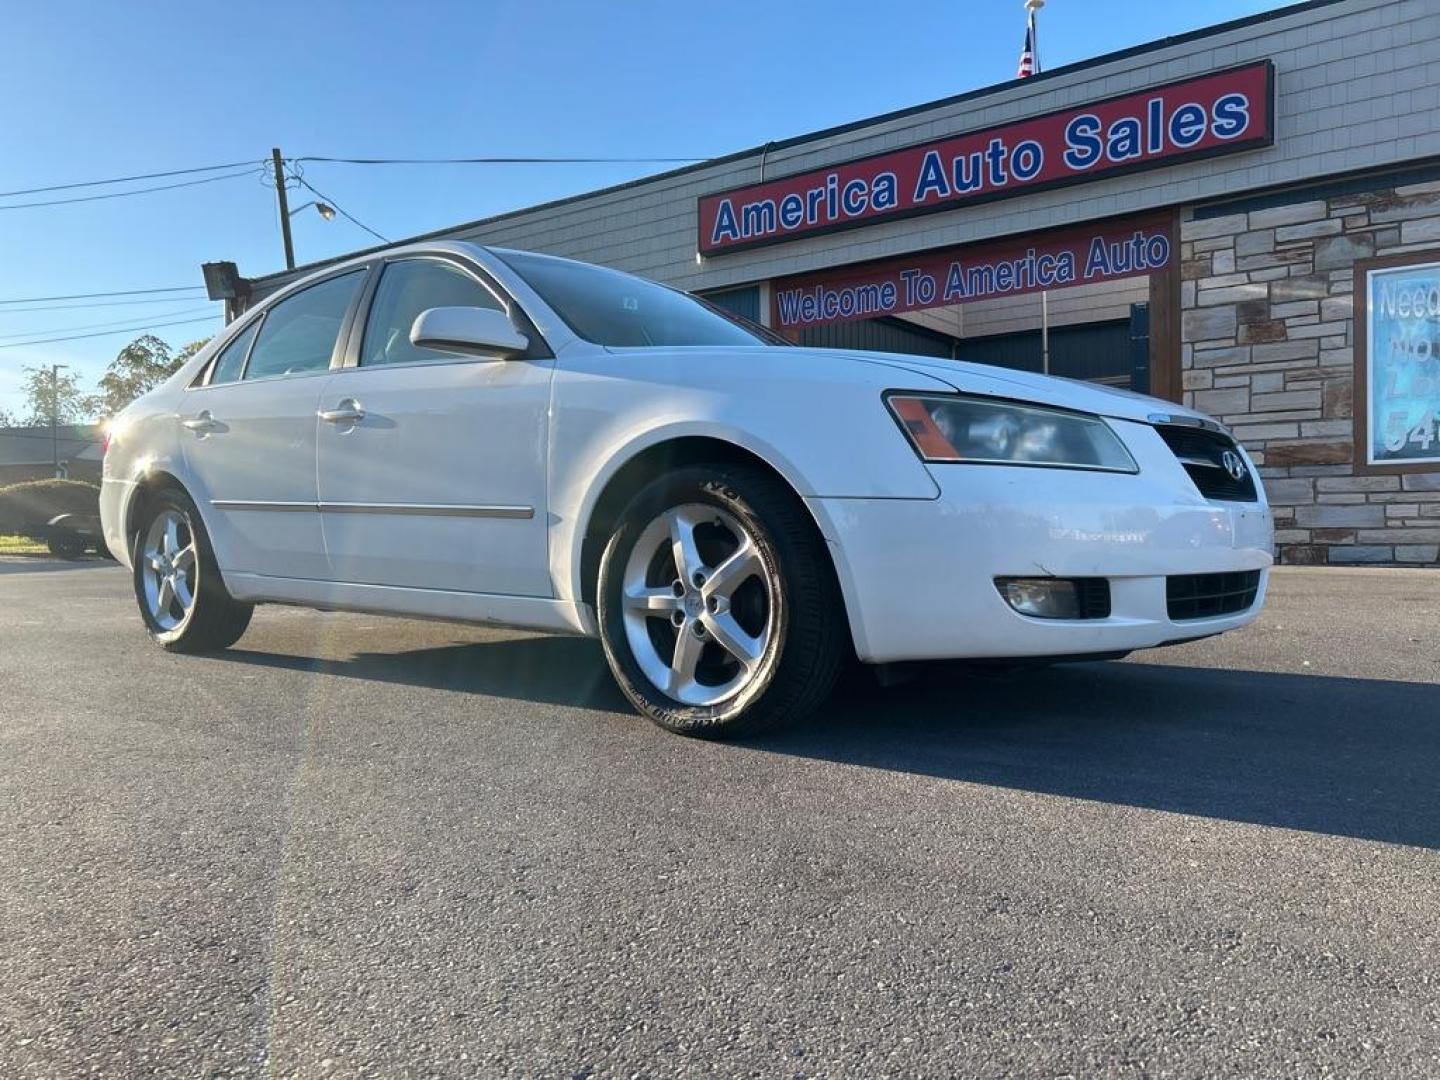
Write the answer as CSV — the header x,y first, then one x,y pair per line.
x,y
1044,598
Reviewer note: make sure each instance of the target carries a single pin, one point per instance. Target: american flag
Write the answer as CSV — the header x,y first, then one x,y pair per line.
x,y
1027,57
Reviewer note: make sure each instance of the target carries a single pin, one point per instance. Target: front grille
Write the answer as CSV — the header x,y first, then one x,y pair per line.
x,y
1202,453
1205,596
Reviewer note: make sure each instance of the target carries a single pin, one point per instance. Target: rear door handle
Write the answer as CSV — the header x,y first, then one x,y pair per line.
x,y
202,422
347,412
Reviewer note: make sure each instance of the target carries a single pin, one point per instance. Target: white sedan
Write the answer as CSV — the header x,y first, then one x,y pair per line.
x,y
458,432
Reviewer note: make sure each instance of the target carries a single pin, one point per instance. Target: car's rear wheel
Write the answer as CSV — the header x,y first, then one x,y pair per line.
x,y
718,605
177,584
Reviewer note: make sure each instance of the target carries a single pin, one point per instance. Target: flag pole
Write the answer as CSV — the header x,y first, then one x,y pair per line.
x,y
1031,7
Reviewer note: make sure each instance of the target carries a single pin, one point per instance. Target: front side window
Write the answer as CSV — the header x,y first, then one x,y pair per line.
x,y
610,308
298,334
406,289
232,358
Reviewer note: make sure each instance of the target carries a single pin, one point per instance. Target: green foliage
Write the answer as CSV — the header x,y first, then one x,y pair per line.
x,y
37,501
139,367
54,394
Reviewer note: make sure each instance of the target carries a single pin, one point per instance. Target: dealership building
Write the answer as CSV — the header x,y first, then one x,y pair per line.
x,y
1245,219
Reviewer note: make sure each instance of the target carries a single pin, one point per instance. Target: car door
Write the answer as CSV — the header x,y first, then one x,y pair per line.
x,y
249,433
432,466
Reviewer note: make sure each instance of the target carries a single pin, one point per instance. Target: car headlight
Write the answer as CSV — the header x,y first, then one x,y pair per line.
x,y
954,428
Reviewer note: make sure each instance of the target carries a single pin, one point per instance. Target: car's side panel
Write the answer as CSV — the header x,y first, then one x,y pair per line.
x,y
526,612
828,436
251,471
441,484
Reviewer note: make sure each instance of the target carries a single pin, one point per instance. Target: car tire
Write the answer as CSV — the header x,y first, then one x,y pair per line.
x,y
757,593
182,598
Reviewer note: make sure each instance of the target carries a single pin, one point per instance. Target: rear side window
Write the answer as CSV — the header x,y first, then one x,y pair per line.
x,y
406,289
298,334
232,357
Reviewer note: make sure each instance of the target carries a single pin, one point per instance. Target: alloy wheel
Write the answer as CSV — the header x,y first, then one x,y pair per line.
x,y
169,569
699,604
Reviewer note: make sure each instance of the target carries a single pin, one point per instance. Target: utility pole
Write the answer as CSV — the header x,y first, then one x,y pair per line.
x,y
55,419
284,207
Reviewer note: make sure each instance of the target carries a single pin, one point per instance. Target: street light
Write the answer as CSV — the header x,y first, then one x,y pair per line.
x,y
327,212
324,210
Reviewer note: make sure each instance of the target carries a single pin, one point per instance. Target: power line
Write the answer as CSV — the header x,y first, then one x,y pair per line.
x,y
537,160
331,202
107,333
124,179
124,194
97,304
92,295
502,160
99,325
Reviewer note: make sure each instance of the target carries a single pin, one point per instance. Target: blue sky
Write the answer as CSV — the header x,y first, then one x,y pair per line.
x,y
95,90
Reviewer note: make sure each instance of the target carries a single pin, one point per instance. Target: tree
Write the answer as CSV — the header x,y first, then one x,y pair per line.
x,y
8,419
139,367
52,395
189,350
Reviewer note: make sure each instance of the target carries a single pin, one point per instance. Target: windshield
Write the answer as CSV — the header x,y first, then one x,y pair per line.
x,y
610,308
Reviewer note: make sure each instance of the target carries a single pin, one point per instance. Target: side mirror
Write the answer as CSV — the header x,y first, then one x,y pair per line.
x,y
472,331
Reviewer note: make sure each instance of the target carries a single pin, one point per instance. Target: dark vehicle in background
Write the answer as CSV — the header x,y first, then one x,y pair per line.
x,y
64,515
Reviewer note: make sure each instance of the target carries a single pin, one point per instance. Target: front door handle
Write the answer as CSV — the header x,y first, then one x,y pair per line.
x,y
347,412
202,422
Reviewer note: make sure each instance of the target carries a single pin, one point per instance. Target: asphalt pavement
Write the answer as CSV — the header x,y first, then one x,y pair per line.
x,y
354,846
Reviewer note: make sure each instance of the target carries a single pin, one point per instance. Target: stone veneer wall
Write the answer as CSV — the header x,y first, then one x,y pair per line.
x,y
1267,343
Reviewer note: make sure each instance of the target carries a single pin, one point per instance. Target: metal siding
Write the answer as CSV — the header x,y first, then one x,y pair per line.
x,y
879,335
1093,351
743,302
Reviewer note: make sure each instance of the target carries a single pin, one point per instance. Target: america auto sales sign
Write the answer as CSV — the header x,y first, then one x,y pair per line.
x,y
1218,113
1079,255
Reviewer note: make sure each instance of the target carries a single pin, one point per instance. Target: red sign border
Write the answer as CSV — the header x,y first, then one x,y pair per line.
x,y
1258,142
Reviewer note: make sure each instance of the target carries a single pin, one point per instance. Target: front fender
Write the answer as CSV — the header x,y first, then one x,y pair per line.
x,y
568,530
827,437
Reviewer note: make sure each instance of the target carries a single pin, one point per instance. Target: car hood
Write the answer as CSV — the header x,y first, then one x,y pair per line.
x,y
1028,386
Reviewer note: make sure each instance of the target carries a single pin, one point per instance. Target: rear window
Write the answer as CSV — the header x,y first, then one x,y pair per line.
x,y
232,358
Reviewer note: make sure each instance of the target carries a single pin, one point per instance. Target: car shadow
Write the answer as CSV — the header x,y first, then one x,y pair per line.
x,y
37,564
556,670
1348,757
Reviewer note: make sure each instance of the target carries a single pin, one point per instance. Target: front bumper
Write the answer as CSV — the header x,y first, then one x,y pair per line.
x,y
918,575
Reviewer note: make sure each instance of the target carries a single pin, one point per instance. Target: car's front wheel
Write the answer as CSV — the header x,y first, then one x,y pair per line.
x,y
177,584
718,605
